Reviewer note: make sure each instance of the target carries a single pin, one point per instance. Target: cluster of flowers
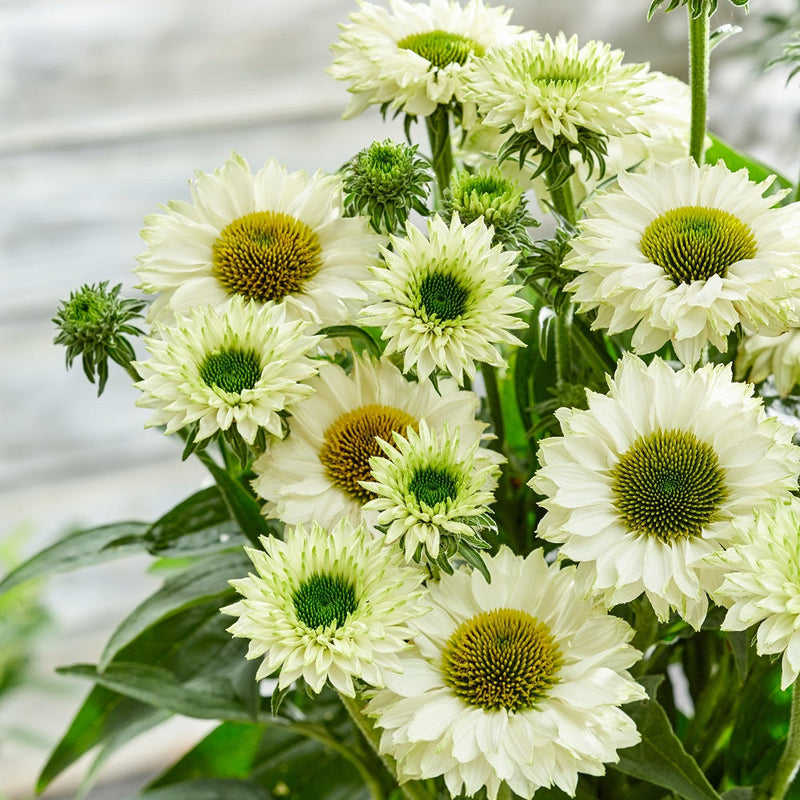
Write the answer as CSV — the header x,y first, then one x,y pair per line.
x,y
502,669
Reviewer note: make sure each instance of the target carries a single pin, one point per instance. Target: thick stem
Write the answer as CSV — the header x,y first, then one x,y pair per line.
x,y
563,201
699,50
504,792
495,405
411,790
776,786
438,125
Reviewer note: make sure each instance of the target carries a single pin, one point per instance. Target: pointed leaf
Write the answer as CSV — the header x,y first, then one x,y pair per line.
x,y
80,549
721,151
209,790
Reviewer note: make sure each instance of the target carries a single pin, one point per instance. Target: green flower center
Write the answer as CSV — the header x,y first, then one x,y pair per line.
x,y
669,485
692,243
441,48
443,296
266,255
231,370
431,486
351,440
323,599
501,659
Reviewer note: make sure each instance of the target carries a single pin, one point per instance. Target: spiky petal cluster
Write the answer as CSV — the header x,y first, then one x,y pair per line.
x,y
646,482
761,356
327,605
429,488
683,254
446,300
762,583
239,369
471,713
412,56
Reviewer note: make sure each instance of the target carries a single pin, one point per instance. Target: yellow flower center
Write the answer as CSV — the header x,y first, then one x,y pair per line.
x,y
503,658
692,243
266,255
351,440
669,485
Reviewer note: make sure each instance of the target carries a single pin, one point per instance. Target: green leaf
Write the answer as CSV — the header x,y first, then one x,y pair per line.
x,y
721,151
739,793
240,502
660,757
80,549
205,580
360,338
200,524
156,686
209,790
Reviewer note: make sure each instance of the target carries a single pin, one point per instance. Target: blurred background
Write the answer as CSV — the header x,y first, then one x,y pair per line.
x,y
107,109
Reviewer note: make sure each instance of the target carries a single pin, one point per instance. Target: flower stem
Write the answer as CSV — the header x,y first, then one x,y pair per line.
x,y
495,404
776,786
504,792
438,125
699,51
411,790
563,200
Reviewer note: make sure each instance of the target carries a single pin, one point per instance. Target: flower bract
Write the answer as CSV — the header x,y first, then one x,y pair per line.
x,y
645,483
326,605
517,681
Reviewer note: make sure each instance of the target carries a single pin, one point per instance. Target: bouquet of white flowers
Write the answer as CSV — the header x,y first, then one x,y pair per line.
x,y
489,515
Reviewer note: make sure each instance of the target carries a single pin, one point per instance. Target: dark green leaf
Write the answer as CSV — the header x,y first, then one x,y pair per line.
x,y
209,790
203,581
720,151
80,549
200,524
360,338
739,793
660,757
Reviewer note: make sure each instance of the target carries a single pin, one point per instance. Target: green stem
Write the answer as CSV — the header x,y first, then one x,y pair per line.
x,y
563,344
495,405
699,50
438,125
504,792
563,200
411,790
776,786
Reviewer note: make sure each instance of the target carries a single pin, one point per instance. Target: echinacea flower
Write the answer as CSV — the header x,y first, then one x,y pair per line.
x,y
517,681
446,300
274,236
326,605
317,471
759,357
646,483
411,57
683,254
238,369
429,488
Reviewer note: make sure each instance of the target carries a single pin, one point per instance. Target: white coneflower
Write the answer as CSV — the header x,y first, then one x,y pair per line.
x,y
645,483
429,488
238,369
683,254
317,471
779,356
273,236
446,300
412,56
519,681
326,605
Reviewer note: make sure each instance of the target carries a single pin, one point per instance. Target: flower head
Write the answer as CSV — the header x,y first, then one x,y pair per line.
x,y
685,253
430,490
516,681
762,583
761,356
646,482
270,237
326,605
411,57
239,370
385,181
94,324
317,471
488,194
446,301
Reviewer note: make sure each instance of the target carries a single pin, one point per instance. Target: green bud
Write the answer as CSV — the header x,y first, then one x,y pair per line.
x,y
93,323
499,200
385,182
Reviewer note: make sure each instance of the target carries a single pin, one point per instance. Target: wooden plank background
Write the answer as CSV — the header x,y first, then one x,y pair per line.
x,y
106,110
